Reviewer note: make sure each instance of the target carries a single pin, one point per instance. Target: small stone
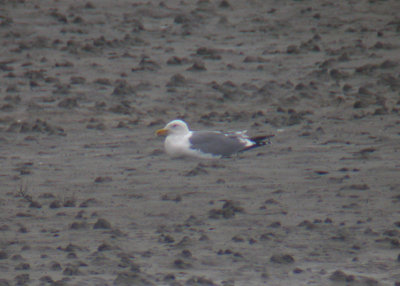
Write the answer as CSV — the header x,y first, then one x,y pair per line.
x,y
340,276
292,49
103,180
55,204
22,266
70,203
55,266
131,278
297,270
3,255
45,279
237,238
282,258
224,4
78,225
166,239
104,247
197,66
181,264
71,270
77,80
177,80
101,223
22,279
196,280
68,103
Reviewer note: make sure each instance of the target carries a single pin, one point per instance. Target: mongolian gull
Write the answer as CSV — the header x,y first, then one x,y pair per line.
x,y
180,141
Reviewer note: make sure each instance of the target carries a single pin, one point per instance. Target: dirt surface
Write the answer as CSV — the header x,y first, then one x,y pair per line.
x,y
88,196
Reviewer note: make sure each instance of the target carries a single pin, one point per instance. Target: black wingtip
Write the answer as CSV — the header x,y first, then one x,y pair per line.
x,y
259,141
262,140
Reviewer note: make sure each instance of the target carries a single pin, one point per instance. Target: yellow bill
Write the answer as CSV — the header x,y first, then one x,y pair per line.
x,y
161,132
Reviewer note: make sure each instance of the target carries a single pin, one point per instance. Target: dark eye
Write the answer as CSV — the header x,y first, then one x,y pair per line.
x,y
175,125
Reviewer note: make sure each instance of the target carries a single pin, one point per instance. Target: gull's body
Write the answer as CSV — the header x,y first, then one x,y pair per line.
x,y
181,141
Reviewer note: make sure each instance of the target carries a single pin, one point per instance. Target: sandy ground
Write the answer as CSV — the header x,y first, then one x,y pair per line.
x,y
88,196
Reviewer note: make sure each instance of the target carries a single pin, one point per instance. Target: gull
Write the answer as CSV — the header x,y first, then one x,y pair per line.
x,y
180,141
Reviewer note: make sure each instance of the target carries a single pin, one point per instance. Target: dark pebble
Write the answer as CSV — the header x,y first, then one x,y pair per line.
x,y
71,270
197,66
237,238
46,279
282,258
196,280
78,225
292,49
176,81
55,266
72,255
3,255
104,247
55,204
297,270
101,223
166,239
340,276
103,179
22,279
181,264
22,266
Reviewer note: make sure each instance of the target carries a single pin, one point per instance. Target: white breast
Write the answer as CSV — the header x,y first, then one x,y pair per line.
x,y
177,145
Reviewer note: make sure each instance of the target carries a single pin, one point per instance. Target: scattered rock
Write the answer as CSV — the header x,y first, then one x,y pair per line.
x,y
224,4
197,66
199,281
55,266
228,210
208,53
35,204
46,279
78,225
22,266
68,102
198,170
122,88
293,49
282,258
55,204
22,279
3,255
146,64
101,223
77,80
182,264
298,270
166,238
39,126
176,61
307,224
131,278
340,276
103,81
103,179
71,270
104,247
177,80
169,197
88,202
237,238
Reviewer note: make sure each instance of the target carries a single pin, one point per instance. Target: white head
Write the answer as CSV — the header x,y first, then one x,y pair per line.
x,y
175,127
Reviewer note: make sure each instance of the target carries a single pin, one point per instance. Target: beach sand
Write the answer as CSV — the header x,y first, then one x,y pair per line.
x,y
89,197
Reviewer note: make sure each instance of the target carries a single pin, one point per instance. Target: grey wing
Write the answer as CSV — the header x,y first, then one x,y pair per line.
x,y
215,143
